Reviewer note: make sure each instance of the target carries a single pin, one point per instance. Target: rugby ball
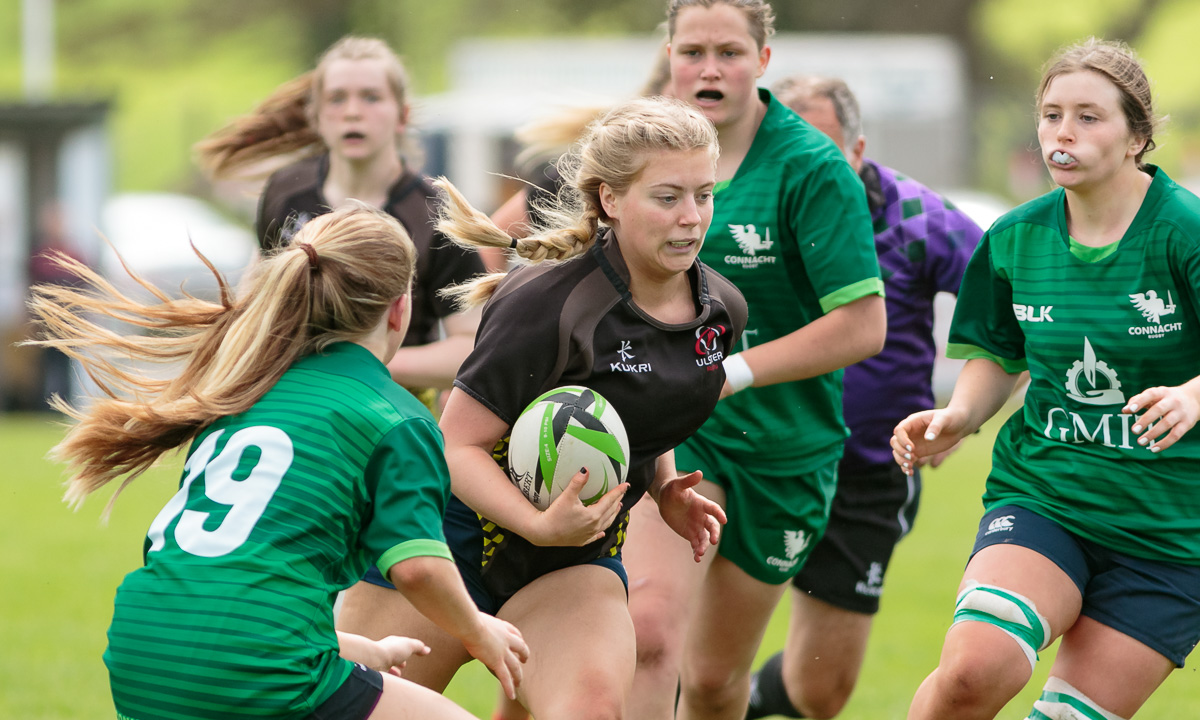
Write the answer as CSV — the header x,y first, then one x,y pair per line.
x,y
563,430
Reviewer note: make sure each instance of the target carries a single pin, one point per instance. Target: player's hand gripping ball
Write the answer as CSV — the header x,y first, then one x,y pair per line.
x,y
566,429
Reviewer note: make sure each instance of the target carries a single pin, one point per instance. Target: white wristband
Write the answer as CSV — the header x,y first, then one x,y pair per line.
x,y
737,372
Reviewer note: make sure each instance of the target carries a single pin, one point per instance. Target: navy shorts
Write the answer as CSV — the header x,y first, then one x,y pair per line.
x,y
871,511
355,699
465,537
1156,603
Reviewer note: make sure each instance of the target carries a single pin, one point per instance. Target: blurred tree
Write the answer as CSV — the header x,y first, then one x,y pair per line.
x,y
178,69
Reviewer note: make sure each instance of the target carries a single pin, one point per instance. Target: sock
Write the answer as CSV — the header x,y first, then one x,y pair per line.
x,y
767,693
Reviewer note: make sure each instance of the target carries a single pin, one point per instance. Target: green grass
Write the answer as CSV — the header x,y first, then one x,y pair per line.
x,y
60,569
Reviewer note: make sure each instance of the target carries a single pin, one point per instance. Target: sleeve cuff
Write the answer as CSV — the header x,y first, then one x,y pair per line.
x,y
850,293
962,351
411,549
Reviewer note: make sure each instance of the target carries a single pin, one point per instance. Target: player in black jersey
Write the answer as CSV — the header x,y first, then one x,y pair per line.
x,y
633,316
351,111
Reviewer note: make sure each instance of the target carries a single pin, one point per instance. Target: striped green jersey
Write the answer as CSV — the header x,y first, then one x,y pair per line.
x,y
793,232
279,508
1094,327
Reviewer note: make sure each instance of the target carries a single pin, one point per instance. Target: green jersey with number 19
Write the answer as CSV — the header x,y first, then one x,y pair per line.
x,y
793,232
1094,327
279,508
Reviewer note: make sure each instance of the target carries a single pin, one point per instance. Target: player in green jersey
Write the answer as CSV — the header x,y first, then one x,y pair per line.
x,y
792,230
307,465
1091,531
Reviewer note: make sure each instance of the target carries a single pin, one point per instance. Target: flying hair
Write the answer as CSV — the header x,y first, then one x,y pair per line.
x,y
283,128
231,351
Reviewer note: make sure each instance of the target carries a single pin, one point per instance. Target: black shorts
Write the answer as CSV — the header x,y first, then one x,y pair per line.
x,y
1154,602
871,511
355,699
465,537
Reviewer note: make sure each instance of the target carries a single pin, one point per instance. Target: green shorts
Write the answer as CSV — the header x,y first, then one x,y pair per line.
x,y
775,519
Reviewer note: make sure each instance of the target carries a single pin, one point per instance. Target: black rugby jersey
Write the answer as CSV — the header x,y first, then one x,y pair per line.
x,y
293,196
575,323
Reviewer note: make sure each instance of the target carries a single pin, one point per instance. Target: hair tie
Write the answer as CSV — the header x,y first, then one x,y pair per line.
x,y
314,262
512,243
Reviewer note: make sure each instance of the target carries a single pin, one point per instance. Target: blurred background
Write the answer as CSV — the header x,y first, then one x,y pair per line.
x,y
102,100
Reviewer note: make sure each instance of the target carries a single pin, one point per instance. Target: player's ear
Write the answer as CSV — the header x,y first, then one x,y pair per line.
x,y
397,317
764,58
608,201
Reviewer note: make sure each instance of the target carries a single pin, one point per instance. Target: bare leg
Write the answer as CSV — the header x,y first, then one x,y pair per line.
x,y
664,581
981,667
1115,671
403,700
581,651
727,627
823,655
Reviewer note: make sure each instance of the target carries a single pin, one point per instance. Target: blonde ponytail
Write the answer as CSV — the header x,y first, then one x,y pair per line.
x,y
333,283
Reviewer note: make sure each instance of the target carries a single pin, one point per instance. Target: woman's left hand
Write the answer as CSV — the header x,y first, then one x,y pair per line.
x,y
386,655
692,516
1167,413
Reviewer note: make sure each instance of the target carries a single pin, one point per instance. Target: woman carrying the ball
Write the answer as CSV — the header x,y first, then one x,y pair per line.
x,y
633,316
1091,531
307,465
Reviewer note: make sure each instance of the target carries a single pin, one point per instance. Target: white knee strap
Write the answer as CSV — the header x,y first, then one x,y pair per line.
x,y
1012,613
1060,701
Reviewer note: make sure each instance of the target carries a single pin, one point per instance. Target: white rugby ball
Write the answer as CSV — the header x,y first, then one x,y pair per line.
x,y
566,429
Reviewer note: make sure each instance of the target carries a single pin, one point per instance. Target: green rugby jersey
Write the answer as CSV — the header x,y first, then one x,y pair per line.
x,y
1094,327
279,508
793,232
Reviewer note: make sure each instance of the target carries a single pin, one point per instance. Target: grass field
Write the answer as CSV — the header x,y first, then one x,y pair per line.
x,y
59,570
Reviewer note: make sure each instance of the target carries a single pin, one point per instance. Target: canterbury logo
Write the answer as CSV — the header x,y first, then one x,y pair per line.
x,y
1000,524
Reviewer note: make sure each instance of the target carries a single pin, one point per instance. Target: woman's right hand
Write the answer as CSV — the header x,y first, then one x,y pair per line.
x,y
570,523
500,647
922,435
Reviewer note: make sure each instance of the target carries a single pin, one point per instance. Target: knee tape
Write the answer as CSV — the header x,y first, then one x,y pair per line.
x,y
1060,701
1012,613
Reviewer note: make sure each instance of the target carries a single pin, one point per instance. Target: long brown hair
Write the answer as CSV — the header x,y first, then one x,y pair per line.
x,y
333,282
285,124
612,152
1117,62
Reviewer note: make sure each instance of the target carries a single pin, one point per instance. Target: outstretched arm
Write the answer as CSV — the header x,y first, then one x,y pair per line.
x,y
386,655
435,588
981,390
